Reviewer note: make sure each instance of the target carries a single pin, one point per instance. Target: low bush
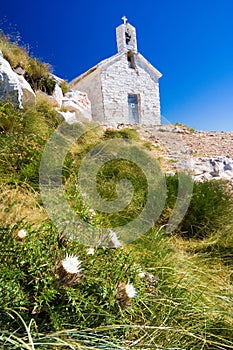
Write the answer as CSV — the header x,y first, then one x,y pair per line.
x,y
210,208
38,76
22,138
125,133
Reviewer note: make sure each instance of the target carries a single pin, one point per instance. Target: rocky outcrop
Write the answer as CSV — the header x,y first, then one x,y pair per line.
x,y
10,89
28,95
58,95
77,103
13,87
212,168
74,106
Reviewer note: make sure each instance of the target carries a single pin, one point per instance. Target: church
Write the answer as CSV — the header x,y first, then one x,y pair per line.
x,y
125,87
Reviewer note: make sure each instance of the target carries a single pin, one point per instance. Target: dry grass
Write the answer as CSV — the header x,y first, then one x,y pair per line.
x,y
20,203
17,56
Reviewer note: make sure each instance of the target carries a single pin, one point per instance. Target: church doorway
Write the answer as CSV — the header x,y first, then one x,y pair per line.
x,y
133,107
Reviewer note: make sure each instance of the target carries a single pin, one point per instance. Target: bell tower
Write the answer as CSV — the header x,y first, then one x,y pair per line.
x,y
126,37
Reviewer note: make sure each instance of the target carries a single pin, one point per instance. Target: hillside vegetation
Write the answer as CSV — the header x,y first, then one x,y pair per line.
x,y
161,291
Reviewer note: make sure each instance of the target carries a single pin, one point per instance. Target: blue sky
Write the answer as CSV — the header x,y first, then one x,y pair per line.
x,y
190,42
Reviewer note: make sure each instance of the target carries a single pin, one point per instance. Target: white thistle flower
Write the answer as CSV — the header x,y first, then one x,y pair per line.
x,y
71,264
130,290
90,251
22,233
92,212
141,274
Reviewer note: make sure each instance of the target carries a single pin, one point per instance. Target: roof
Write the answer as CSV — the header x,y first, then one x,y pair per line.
x,y
113,59
149,65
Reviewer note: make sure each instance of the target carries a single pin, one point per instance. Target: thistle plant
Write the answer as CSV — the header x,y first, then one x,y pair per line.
x,y
21,234
69,270
125,292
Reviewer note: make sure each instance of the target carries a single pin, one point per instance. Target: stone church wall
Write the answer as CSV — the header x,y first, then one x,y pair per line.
x,y
118,80
91,85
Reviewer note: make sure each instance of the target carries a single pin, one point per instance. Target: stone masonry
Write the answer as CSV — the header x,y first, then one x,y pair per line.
x,y
118,80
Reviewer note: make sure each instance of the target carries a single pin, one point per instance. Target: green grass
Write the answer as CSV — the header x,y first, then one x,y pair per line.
x,y
23,134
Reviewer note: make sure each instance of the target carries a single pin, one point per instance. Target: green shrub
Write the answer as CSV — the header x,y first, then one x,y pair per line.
x,y
38,76
126,133
185,127
210,209
22,138
7,113
47,85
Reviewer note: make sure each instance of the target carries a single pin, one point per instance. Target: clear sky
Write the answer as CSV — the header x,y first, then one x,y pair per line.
x,y
189,41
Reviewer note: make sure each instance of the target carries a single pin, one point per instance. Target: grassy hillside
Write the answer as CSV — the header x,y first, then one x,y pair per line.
x,y
183,280
161,291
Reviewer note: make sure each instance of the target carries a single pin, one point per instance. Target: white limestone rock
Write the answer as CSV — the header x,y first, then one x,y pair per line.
x,y
19,70
10,88
212,168
78,102
58,95
13,87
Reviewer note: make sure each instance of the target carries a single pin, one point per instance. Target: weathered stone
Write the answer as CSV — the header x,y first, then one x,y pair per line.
x,y
58,95
227,166
209,168
29,96
19,70
10,89
78,102
13,87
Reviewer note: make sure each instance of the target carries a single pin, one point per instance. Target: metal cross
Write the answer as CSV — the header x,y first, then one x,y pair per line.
x,y
125,19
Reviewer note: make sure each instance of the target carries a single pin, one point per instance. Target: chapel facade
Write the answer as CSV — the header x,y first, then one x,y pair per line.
x,y
125,87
